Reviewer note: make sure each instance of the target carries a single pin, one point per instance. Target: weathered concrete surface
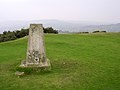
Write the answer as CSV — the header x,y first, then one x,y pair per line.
x,y
36,55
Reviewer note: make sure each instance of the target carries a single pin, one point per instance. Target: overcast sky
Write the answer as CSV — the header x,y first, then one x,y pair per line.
x,y
80,10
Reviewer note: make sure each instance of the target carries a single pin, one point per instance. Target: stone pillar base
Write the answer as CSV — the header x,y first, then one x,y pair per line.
x,y
45,64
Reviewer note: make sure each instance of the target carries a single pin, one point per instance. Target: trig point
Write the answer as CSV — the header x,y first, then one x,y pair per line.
x,y
36,55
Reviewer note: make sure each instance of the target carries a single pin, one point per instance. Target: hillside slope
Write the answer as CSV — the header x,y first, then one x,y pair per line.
x,y
79,62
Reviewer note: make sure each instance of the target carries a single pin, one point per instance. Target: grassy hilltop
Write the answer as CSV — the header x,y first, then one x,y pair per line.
x,y
79,62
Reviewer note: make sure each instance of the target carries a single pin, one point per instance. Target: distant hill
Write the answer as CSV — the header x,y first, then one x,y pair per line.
x,y
108,28
71,26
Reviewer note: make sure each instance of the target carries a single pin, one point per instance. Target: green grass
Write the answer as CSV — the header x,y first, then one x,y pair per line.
x,y
79,62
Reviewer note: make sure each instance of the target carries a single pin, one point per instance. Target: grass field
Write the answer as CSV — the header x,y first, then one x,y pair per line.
x,y
79,62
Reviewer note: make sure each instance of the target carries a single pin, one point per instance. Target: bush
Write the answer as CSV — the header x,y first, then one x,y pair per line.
x,y
12,35
103,31
50,30
96,31
99,31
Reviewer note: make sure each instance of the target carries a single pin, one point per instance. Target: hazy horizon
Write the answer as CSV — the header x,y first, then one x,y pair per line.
x,y
106,11
61,25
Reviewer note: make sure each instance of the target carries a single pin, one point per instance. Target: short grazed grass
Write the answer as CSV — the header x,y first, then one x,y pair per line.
x,y
79,62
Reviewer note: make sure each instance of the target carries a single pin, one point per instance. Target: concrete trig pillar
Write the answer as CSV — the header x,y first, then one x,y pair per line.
x,y
36,55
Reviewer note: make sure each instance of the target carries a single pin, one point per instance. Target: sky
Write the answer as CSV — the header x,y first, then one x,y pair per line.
x,y
75,10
